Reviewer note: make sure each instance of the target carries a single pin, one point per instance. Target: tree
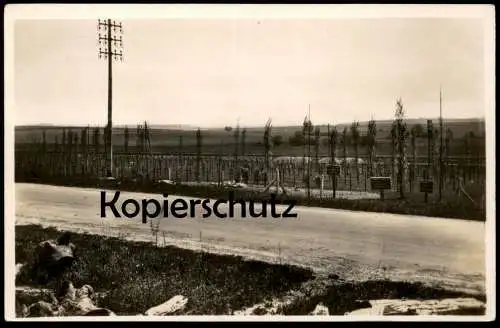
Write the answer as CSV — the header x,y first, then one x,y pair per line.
x,y
75,136
317,134
267,148
277,140
236,136
69,138
306,132
44,141
402,137
83,147
97,140
448,140
344,151
297,139
56,144
83,140
393,136
243,140
413,141
63,141
126,137
332,142
418,130
198,153
371,139
355,143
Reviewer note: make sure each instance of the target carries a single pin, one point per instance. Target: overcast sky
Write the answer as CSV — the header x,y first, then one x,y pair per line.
x,y
213,72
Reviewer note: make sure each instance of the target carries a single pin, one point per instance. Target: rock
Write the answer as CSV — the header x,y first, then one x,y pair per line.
x,y
320,310
100,313
54,256
41,309
260,310
78,302
174,305
30,295
333,276
427,307
71,302
19,266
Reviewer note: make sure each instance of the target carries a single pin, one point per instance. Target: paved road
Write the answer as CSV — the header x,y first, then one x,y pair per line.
x,y
355,245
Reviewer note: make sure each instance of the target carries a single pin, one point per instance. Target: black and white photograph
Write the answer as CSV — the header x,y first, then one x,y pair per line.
x,y
249,162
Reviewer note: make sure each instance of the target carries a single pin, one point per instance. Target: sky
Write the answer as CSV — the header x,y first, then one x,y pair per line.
x,y
218,72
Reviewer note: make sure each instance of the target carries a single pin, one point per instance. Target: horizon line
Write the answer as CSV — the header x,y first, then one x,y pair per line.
x,y
182,126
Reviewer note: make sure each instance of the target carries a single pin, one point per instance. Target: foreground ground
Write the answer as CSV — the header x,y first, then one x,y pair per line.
x,y
353,245
130,277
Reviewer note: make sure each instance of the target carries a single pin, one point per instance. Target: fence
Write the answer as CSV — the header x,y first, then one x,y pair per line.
x,y
294,172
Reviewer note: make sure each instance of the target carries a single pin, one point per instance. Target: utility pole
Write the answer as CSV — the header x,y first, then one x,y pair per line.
x,y
441,166
109,43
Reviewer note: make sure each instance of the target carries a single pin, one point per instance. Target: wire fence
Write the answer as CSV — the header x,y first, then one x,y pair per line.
x,y
294,173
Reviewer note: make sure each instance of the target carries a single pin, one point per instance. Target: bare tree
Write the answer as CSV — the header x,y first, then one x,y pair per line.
x,y
402,137
83,140
236,136
267,148
448,140
44,141
198,153
393,148
372,135
84,148
332,142
56,144
317,134
305,131
63,141
243,140
344,152
413,141
126,137
69,138
355,143
447,150
97,140
75,136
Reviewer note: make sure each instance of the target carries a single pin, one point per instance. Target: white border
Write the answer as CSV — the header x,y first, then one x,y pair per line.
x,y
240,11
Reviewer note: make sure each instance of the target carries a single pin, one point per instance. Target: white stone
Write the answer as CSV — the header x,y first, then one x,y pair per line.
x,y
426,307
320,310
173,305
19,266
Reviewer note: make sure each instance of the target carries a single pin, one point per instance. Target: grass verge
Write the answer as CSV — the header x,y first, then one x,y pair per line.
x,y
137,275
131,277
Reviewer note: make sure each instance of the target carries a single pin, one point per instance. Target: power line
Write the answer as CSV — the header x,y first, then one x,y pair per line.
x,y
109,43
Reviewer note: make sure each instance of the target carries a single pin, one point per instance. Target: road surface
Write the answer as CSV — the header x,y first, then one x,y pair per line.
x,y
353,245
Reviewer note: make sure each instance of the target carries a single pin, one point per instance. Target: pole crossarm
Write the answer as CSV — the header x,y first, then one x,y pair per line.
x,y
104,39
107,23
116,55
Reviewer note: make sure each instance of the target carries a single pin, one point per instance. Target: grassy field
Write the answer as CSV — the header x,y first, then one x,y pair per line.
x,y
165,139
130,277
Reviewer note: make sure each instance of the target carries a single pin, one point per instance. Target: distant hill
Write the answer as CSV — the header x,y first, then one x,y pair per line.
x,y
166,138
